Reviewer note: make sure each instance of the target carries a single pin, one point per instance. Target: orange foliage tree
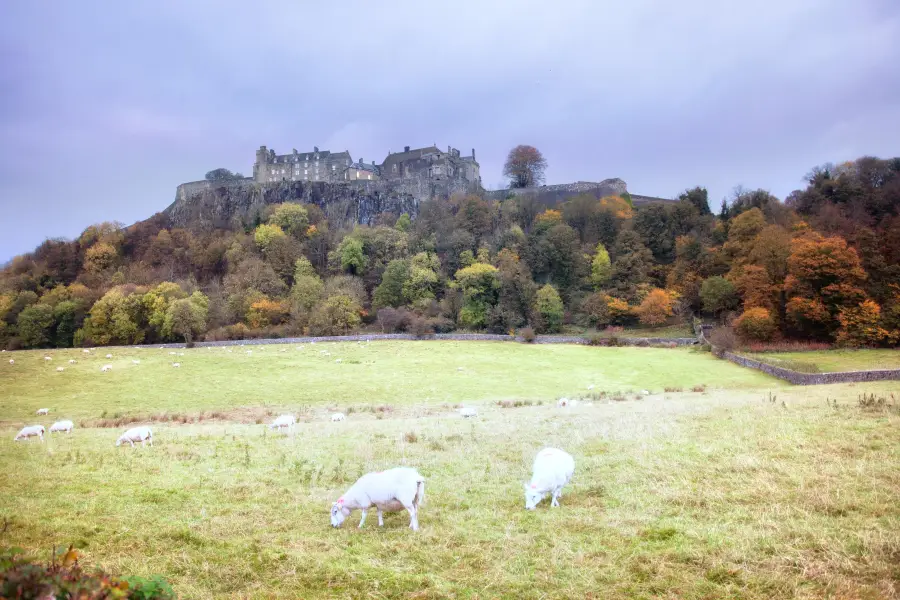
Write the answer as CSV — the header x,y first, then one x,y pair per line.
x,y
861,325
755,324
656,308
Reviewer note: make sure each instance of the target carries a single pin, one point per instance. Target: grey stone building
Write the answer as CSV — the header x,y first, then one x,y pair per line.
x,y
428,167
433,164
318,165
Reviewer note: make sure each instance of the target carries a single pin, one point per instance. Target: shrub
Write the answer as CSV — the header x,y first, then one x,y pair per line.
x,y
63,577
420,327
597,339
723,339
393,320
411,437
860,325
755,324
528,335
441,324
336,316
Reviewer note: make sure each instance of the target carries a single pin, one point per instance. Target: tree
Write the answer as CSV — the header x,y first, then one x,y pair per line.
x,y
631,267
335,316
718,295
419,286
390,291
265,312
601,267
114,319
100,257
755,324
222,175
698,197
861,325
186,317
656,308
157,302
353,259
35,325
548,308
403,223
265,233
525,167
68,316
480,284
292,218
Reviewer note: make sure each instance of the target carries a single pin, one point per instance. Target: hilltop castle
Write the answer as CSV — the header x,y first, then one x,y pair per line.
x,y
422,165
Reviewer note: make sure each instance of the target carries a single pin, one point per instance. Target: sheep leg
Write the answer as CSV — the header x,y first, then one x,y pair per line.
x,y
556,496
380,518
363,520
413,517
131,442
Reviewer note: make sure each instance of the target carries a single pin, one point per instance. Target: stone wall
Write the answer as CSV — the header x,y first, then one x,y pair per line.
x,y
798,378
607,187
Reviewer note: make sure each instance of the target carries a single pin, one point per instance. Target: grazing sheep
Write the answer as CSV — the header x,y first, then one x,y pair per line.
x,y
176,365
284,349
31,431
337,360
60,369
105,368
172,353
391,490
181,354
249,351
136,361
109,356
645,392
590,387
61,426
552,470
43,411
337,417
12,361
47,358
284,421
85,351
71,361
468,411
563,402
136,434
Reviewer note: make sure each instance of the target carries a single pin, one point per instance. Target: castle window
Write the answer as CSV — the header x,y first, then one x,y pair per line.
x,y
395,168
370,177
305,171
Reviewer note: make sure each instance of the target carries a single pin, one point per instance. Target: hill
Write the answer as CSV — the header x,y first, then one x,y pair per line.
x,y
237,259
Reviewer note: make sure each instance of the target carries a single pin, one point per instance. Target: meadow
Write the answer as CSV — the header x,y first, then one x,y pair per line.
x,y
831,361
750,488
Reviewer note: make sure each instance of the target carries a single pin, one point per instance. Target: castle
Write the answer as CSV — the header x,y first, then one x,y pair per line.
x,y
422,165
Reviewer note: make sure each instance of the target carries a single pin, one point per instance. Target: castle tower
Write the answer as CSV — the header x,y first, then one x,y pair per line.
x,y
259,167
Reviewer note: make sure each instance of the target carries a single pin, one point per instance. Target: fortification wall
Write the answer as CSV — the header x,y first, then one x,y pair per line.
x,y
562,191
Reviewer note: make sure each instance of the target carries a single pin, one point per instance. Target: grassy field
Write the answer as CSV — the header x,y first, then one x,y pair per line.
x,y
751,489
829,361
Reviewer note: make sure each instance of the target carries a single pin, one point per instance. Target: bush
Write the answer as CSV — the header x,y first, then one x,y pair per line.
x,y
755,324
549,308
336,316
393,320
420,327
527,334
656,308
597,339
441,324
723,339
63,577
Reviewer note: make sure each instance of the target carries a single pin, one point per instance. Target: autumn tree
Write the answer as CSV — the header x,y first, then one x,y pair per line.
x,y
480,284
186,317
656,308
292,218
601,267
525,167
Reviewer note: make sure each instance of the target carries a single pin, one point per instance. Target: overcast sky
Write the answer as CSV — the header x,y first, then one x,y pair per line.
x,y
107,106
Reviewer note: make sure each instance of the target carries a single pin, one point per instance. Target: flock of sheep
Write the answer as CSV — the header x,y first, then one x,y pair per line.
x,y
393,490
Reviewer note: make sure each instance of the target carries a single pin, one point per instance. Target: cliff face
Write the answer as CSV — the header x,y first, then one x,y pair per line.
x,y
204,204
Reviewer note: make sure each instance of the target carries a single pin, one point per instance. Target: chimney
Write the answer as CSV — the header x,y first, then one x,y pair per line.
x,y
360,160
315,148
449,150
473,153
406,148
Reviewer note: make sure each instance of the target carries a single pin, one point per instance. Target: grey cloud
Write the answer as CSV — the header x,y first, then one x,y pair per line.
x,y
108,111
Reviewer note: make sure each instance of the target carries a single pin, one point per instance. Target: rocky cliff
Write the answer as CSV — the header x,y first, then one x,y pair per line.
x,y
205,204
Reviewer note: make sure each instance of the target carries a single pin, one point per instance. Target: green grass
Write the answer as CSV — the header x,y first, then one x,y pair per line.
x,y
731,493
668,331
395,373
830,361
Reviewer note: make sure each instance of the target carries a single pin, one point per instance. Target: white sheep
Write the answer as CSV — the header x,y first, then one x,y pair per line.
x,y
85,351
284,421
563,402
109,356
12,361
392,490
31,431
43,411
71,361
468,411
337,417
60,369
176,365
645,392
61,426
590,387
135,361
553,468
181,354
136,434
337,360
48,358
105,368
173,353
